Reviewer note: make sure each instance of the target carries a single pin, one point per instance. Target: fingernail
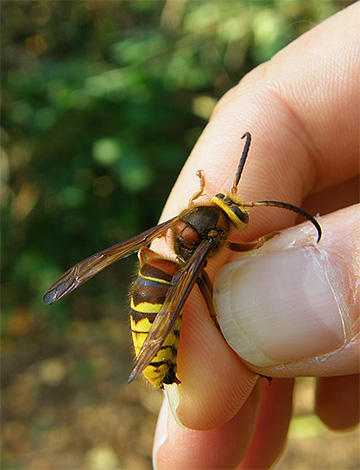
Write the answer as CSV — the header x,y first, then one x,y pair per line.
x,y
279,307
173,396
171,402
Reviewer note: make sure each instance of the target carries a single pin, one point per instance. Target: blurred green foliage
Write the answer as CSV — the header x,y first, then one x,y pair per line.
x,y
102,103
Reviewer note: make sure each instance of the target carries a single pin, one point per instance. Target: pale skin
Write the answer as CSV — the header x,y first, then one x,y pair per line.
x,y
302,109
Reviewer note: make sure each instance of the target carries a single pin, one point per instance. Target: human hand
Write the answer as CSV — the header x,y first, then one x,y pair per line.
x,y
302,110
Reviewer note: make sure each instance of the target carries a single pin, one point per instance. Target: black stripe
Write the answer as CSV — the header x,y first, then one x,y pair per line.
x,y
149,270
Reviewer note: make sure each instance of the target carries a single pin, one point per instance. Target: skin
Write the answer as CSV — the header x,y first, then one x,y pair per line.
x,y
303,104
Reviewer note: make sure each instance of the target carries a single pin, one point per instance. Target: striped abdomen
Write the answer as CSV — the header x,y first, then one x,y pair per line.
x,y
147,297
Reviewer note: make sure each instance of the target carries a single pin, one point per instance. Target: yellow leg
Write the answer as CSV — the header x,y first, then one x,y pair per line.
x,y
238,246
200,174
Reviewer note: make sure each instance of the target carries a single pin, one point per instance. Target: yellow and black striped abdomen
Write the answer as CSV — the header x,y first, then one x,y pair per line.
x,y
147,297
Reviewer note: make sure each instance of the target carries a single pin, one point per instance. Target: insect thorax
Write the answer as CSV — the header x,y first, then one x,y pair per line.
x,y
197,224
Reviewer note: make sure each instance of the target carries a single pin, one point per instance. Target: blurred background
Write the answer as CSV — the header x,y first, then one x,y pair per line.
x,y
102,102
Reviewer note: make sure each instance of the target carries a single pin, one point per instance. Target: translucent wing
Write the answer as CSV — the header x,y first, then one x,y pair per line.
x,y
171,308
86,269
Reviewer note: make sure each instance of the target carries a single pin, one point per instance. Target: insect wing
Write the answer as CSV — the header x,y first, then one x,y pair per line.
x,y
86,269
171,308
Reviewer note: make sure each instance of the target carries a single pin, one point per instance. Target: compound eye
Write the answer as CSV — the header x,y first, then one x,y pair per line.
x,y
241,215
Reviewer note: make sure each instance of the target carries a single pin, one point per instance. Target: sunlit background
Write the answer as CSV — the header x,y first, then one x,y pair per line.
x,y
102,102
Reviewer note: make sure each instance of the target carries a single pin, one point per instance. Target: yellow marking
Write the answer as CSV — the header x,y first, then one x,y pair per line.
x,y
155,375
142,325
227,209
145,307
155,279
166,355
163,355
138,339
165,352
171,340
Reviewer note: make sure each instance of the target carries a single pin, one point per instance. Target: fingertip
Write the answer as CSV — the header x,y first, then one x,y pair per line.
x,y
214,381
337,401
161,433
221,447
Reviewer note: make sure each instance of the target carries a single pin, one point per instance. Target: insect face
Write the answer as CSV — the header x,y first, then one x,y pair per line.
x,y
233,208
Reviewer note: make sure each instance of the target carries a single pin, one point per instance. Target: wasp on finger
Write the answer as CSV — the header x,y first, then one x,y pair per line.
x,y
162,286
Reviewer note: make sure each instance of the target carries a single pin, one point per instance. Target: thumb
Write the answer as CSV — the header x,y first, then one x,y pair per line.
x,y
291,308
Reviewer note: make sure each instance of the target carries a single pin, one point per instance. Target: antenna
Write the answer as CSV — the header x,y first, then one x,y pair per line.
x,y
289,207
241,162
282,205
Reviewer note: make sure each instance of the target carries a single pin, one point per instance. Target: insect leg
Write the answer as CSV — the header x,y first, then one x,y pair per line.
x,y
256,244
206,290
198,193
